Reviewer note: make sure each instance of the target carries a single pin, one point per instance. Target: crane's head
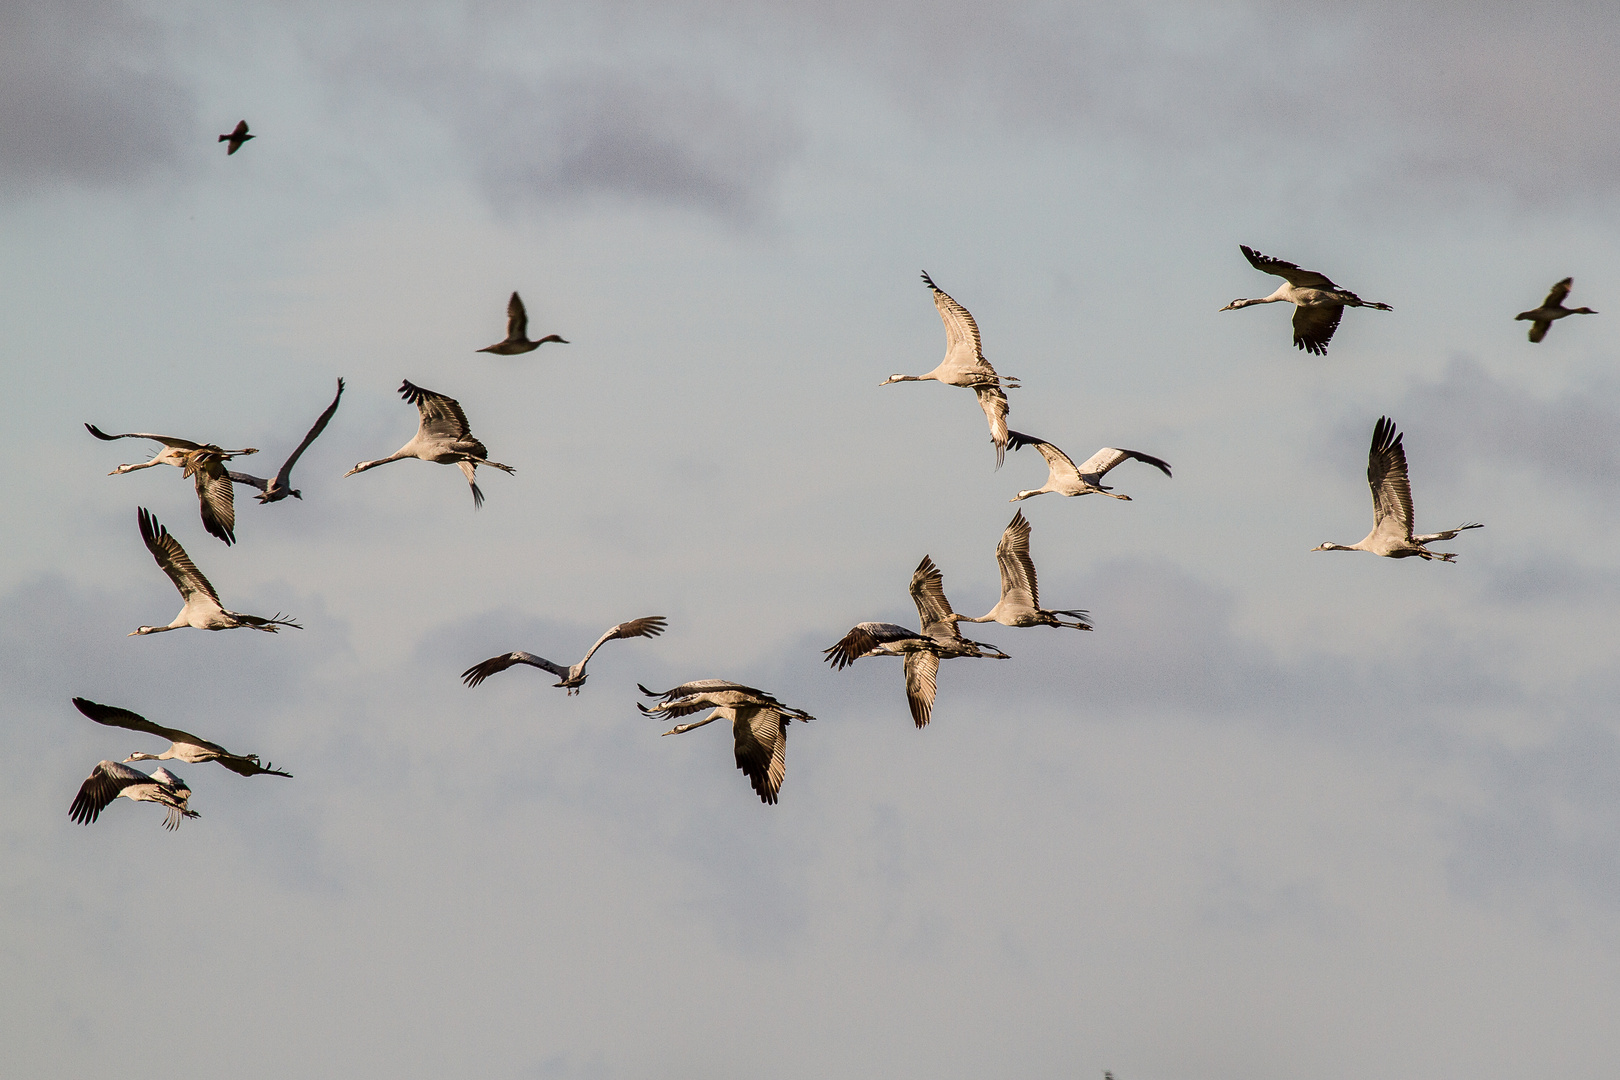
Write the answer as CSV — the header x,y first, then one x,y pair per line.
x,y
897,377
141,756
1331,547
1239,302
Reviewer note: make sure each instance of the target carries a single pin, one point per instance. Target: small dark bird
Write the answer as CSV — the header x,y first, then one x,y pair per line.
x,y
236,138
517,332
1541,318
276,489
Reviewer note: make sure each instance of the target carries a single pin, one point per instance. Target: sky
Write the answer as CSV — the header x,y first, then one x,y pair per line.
x,y
1280,815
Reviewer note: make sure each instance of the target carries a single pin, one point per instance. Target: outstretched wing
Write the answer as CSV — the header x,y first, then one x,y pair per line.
x,y
479,672
1314,326
166,440
1299,279
648,626
861,640
113,716
285,475
1060,465
922,671
442,416
1102,461
993,400
1555,297
252,481
98,791
1386,475
961,332
928,593
700,686
517,319
1017,568
760,736
215,493
172,558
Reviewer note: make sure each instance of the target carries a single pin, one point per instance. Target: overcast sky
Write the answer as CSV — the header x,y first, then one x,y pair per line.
x,y
1281,815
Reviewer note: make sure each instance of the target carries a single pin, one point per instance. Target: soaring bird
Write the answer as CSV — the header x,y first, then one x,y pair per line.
x,y
279,486
183,746
236,138
572,677
1551,309
939,640
1318,303
442,436
202,608
1066,478
517,332
1020,603
203,462
759,725
965,365
111,779
1391,534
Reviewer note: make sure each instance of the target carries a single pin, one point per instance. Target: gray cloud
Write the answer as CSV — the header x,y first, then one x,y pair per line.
x,y
86,93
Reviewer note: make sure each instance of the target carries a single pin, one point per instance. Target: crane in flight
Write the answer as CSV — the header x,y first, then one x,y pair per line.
x,y
280,486
759,725
442,436
183,746
1020,603
110,780
202,607
1318,303
573,677
1066,478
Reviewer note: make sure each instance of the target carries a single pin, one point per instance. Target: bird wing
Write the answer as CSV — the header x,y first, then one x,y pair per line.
x,y
928,592
216,496
442,416
1300,279
166,440
517,319
479,672
253,481
173,558
113,716
1386,475
922,669
241,129
285,475
1449,534
961,332
701,686
862,639
98,791
1539,328
760,735
248,765
1102,461
1017,568
993,400
1314,326
649,626
1060,464
1555,298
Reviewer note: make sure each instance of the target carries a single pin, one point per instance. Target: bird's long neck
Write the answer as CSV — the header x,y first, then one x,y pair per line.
x,y
364,465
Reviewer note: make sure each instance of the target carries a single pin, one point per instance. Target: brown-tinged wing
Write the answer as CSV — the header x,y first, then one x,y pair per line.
x,y
862,639
961,332
517,319
760,736
98,791
1555,297
481,671
1017,568
648,626
216,497
172,558
285,475
442,417
928,592
1386,475
922,671
113,716
1300,279
1314,326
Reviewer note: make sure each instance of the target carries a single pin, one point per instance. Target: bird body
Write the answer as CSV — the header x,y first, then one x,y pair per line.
x,y
1391,534
443,436
1551,309
1318,303
759,724
964,365
183,746
517,332
940,639
1020,603
111,780
236,138
573,677
279,486
201,462
202,608
1066,478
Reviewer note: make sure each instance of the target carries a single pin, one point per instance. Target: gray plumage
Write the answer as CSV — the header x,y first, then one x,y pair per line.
x,y
1020,603
183,746
1318,303
572,677
442,436
110,780
759,724
202,607
1066,478
279,486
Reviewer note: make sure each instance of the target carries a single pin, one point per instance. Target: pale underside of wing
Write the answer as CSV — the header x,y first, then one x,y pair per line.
x,y
760,736
1018,583
961,332
1103,460
928,593
441,417
1059,464
993,400
285,474
1299,279
103,785
481,671
1314,325
1555,297
1391,490
215,494
648,626
173,559
922,671
517,319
